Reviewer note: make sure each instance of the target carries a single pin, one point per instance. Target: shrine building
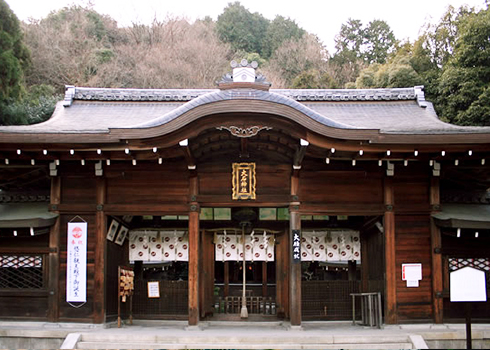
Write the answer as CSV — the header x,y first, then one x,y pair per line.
x,y
285,202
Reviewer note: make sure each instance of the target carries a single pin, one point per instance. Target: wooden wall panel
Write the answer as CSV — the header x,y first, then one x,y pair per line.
x,y
215,179
273,179
80,190
147,186
412,196
412,188
22,307
413,246
341,187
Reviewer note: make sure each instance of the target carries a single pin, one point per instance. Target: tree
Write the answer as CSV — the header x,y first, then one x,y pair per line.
x,y
278,31
463,92
397,72
166,54
357,47
294,57
379,42
69,45
243,30
371,44
14,56
313,79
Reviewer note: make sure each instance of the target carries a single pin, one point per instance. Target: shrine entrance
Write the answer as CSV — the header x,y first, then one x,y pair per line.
x,y
339,257
257,256
240,265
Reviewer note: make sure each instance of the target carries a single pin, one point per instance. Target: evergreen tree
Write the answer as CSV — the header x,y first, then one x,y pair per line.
x,y
244,30
463,92
14,57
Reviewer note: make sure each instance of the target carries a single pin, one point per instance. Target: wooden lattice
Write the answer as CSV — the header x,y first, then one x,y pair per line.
x,y
21,272
480,263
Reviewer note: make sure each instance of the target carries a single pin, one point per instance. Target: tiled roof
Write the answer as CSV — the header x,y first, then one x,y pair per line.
x,y
177,95
95,110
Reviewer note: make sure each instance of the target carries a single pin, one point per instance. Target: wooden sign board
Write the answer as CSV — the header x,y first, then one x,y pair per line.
x,y
467,284
296,246
126,282
154,289
243,181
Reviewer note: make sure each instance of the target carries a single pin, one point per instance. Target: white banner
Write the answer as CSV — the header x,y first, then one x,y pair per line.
x,y
330,246
158,246
76,270
258,247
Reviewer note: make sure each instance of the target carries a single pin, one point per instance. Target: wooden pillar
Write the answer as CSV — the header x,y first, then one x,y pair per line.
x,y
100,252
390,254
226,277
282,274
264,279
294,268
294,274
206,274
54,253
436,245
352,270
364,262
193,253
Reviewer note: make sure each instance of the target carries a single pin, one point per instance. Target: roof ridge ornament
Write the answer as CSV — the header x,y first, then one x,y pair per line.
x,y
69,95
419,93
244,76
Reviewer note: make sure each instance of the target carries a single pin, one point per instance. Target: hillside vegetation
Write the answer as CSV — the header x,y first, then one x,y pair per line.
x,y
78,46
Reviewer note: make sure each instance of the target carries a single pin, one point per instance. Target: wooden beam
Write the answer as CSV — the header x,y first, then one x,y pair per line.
x,y
191,162
54,255
436,254
299,156
100,253
390,253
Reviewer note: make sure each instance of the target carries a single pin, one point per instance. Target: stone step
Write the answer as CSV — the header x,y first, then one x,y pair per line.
x,y
212,345
186,338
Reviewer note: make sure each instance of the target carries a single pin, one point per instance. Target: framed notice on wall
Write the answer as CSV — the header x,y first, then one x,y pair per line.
x,y
154,289
111,233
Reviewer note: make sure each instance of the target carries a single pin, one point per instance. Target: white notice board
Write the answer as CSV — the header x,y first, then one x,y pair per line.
x,y
154,289
467,284
412,273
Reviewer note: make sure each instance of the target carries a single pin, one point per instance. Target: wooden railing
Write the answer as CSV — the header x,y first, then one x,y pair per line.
x,y
255,305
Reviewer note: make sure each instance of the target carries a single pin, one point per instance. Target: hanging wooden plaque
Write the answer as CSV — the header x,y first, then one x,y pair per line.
x,y
243,181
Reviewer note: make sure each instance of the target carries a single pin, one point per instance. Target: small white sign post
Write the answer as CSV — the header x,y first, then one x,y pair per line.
x,y
468,285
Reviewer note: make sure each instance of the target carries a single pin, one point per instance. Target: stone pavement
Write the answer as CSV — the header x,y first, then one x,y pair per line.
x,y
237,335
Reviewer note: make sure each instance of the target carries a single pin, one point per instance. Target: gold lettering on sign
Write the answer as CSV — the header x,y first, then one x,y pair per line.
x,y
243,181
